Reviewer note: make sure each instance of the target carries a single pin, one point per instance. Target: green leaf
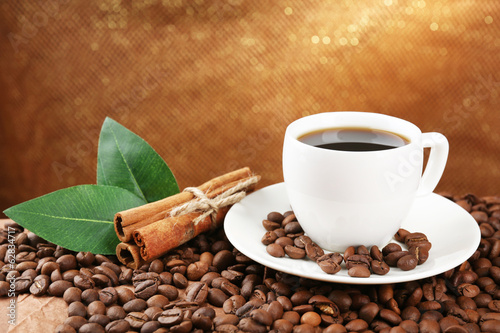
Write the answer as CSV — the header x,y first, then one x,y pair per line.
x,y
78,218
127,161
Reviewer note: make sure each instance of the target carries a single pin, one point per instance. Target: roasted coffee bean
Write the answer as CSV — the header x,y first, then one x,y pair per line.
x,y
118,326
292,227
40,285
275,250
58,288
392,258
203,318
89,295
407,262
225,319
417,239
232,275
64,328
77,309
359,271
83,282
168,291
72,294
223,259
311,318
99,319
107,272
75,321
96,307
233,303
275,217
136,319
135,305
282,325
330,263
250,325
391,247
197,292
275,309
150,327
124,295
379,267
324,305
171,317
157,301
284,241
196,270
262,317
216,297
108,296
153,312
301,297
115,312
66,262
420,253
23,284
313,251
357,260
146,288
270,225
180,281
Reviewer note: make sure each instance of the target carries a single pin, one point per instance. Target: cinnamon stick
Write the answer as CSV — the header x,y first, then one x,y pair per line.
x,y
126,222
173,232
129,255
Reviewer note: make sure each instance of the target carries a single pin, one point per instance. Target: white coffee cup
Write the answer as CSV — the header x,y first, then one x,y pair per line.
x,y
349,198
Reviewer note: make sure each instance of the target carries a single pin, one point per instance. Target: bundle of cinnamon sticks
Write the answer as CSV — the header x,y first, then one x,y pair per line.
x,y
150,231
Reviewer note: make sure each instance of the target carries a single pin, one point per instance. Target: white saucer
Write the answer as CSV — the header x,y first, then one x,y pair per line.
x,y
453,232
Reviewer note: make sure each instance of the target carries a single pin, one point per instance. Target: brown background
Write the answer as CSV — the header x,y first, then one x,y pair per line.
x,y
211,85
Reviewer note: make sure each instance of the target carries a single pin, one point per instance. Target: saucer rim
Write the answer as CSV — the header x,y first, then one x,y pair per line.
x,y
232,221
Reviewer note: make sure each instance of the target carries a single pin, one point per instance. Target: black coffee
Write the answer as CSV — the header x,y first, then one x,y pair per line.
x,y
353,139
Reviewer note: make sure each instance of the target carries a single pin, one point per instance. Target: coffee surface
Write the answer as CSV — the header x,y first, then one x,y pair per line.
x,y
354,139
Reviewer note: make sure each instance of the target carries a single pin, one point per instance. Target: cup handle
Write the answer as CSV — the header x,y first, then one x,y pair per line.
x,y
438,144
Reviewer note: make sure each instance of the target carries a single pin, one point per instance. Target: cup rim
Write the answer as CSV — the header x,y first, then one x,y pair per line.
x,y
413,137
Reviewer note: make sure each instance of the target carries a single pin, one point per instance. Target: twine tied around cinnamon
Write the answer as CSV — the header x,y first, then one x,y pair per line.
x,y
211,206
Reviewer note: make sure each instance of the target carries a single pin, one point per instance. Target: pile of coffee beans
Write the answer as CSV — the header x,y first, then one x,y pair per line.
x,y
285,237
207,285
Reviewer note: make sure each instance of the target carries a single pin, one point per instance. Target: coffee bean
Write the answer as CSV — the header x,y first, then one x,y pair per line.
x,y
223,259
100,319
311,318
313,251
89,295
359,271
118,326
295,252
77,309
330,263
197,292
72,294
180,281
284,241
270,225
203,318
147,288
58,288
407,262
83,282
168,291
392,258
108,296
66,262
250,325
75,321
135,305
275,250
40,285
115,312
216,297
96,307
63,328
136,319
196,270
171,317
301,241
